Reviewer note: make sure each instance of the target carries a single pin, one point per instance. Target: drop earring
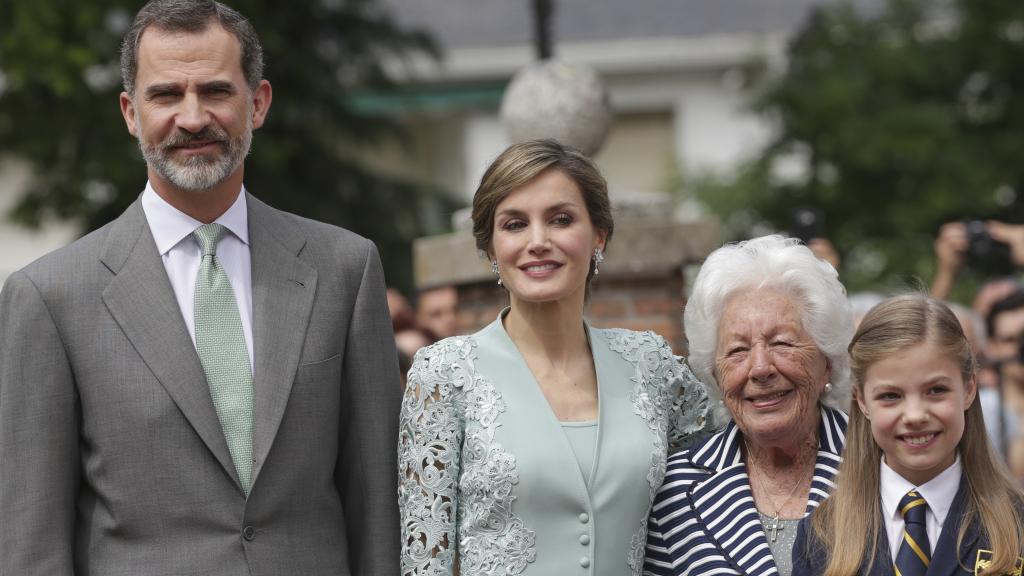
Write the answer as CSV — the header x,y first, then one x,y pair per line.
x,y
598,259
497,273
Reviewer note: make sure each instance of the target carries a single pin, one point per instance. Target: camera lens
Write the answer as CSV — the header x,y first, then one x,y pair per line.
x,y
978,241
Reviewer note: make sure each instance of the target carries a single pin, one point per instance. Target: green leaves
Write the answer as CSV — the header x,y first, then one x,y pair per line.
x,y
906,118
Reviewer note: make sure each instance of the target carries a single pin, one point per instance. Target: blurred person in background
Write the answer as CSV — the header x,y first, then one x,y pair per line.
x,y
991,292
409,336
953,248
407,343
436,311
508,461
1000,420
1005,324
401,312
768,324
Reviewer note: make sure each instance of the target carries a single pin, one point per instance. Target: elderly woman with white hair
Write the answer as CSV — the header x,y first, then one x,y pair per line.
x,y
768,325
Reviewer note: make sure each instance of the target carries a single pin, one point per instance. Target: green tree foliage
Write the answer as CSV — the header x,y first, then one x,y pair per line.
x,y
59,86
902,119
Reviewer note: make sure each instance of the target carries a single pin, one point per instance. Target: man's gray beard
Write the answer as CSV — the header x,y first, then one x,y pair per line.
x,y
197,173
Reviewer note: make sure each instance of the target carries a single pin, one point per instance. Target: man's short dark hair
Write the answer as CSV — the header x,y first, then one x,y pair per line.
x,y
1012,302
191,16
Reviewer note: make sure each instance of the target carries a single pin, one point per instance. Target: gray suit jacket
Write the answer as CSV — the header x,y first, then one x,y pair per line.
x,y
112,460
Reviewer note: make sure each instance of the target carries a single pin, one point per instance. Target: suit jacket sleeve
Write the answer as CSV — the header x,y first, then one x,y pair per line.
x,y
371,399
39,457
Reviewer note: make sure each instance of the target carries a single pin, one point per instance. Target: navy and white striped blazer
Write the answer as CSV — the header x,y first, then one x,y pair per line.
x,y
704,520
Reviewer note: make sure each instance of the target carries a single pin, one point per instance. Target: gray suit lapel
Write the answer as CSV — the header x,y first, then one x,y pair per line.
x,y
142,302
283,289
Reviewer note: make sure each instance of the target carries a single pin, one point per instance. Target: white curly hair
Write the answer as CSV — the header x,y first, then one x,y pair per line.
x,y
786,265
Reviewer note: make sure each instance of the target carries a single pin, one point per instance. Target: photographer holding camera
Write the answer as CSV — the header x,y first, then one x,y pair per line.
x,y
958,242
1005,362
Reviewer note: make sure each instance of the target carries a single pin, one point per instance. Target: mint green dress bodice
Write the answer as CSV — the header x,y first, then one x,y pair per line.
x,y
582,437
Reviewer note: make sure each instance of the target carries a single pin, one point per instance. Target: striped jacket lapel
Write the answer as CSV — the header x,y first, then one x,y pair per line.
x,y
831,439
724,502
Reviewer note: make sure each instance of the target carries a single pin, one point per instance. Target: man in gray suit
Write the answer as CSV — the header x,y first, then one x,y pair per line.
x,y
205,386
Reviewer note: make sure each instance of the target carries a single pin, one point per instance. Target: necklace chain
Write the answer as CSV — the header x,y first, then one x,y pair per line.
x,y
776,525
792,493
793,490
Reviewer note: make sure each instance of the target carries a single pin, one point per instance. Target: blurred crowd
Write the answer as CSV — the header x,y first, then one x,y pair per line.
x,y
431,317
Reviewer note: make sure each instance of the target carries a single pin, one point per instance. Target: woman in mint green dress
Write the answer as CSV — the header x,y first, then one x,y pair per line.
x,y
535,446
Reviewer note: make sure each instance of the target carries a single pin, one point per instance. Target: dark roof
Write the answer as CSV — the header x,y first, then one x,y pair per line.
x,y
468,23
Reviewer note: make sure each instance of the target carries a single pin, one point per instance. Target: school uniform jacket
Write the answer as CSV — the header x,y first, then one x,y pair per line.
x,y
704,520
810,560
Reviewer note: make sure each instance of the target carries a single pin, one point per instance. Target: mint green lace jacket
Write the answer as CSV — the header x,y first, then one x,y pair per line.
x,y
488,480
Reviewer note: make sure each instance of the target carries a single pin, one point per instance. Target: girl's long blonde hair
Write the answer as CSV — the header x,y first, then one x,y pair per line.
x,y
847,524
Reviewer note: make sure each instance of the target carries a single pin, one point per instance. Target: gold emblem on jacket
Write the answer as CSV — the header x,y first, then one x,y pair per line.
x,y
984,560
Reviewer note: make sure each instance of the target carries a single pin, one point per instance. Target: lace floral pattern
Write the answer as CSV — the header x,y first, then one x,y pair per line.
x,y
669,398
449,415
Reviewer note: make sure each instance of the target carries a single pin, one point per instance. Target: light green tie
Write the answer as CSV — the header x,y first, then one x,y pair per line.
x,y
221,346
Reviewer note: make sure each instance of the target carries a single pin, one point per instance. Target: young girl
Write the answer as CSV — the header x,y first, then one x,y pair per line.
x,y
919,489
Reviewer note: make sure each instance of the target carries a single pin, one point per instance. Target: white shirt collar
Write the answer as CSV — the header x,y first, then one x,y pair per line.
x,y
937,492
170,225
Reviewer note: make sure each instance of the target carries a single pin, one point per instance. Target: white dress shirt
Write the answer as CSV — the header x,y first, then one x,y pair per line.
x,y
937,492
172,230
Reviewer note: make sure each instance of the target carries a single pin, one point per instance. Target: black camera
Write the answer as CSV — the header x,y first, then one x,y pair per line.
x,y
807,223
984,252
980,244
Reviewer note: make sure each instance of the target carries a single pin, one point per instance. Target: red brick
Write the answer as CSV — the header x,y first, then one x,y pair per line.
x,y
658,306
606,308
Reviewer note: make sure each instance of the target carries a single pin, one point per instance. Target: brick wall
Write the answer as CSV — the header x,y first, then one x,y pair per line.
x,y
649,302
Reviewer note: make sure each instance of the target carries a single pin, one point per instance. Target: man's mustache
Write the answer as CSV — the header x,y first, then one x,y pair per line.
x,y
184,138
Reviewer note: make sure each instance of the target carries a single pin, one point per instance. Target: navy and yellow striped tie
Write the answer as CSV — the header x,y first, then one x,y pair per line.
x,y
914,555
